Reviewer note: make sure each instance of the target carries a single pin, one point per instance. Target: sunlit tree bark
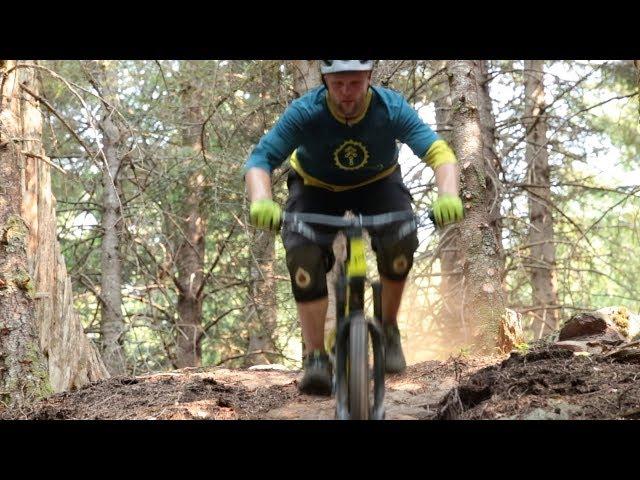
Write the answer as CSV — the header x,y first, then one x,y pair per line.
x,y
482,296
23,369
542,257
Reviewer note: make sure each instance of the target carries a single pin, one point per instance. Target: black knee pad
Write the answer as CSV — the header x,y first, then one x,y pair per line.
x,y
396,259
308,266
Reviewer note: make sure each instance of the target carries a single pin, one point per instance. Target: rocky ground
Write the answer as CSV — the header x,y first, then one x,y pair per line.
x,y
588,370
550,383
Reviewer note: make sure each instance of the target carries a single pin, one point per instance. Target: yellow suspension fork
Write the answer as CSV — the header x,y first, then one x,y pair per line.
x,y
356,269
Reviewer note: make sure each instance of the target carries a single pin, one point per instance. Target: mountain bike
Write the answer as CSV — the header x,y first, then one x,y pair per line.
x,y
354,329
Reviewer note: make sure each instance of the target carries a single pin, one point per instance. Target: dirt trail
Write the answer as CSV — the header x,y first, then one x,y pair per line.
x,y
413,395
219,393
547,383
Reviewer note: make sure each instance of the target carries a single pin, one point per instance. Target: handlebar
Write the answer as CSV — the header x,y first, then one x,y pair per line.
x,y
366,221
299,223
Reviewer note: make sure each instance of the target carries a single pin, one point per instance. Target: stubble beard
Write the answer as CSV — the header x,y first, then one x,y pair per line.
x,y
352,111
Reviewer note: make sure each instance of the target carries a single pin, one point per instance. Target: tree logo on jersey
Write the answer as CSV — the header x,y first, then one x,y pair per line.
x,y
351,155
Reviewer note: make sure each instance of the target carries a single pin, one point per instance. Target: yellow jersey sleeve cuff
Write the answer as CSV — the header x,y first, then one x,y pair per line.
x,y
439,153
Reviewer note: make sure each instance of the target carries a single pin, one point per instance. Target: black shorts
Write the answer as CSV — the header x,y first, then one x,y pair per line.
x,y
388,194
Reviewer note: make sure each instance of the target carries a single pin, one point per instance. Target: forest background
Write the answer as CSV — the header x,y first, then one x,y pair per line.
x,y
139,247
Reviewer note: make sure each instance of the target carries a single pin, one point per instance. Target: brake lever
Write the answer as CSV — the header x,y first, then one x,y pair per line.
x,y
284,218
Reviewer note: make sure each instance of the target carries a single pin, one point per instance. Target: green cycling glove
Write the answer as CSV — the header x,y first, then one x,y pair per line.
x,y
447,209
265,214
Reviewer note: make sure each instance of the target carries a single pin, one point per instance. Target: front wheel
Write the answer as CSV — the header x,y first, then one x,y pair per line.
x,y
358,368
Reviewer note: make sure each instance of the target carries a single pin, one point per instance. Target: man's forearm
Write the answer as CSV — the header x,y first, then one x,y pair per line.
x,y
447,179
258,184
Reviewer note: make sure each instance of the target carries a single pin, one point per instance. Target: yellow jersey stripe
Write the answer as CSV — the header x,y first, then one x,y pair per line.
x,y
314,182
439,153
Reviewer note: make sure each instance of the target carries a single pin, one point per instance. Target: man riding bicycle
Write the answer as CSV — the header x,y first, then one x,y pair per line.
x,y
342,140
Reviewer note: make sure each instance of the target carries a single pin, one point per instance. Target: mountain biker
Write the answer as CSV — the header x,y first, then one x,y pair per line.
x,y
341,140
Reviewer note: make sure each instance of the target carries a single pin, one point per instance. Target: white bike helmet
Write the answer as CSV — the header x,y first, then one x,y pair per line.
x,y
334,66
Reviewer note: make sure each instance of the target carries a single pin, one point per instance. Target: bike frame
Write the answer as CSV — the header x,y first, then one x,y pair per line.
x,y
350,307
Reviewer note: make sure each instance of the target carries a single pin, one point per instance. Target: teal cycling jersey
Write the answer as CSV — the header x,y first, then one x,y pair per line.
x,y
337,154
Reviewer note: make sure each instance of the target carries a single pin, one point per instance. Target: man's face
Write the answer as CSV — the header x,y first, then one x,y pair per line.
x,y
348,91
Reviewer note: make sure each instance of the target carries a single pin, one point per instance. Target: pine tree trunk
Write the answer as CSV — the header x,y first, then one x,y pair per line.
x,y
262,309
306,75
542,262
111,321
636,63
73,360
190,253
23,369
261,312
493,165
450,267
482,296
189,262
